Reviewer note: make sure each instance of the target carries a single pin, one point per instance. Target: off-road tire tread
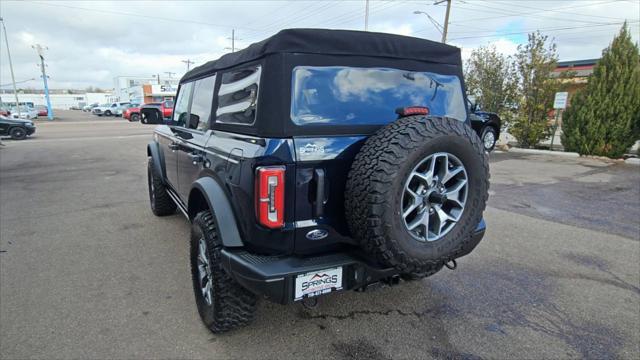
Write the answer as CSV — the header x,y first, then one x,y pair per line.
x,y
368,188
233,305
164,204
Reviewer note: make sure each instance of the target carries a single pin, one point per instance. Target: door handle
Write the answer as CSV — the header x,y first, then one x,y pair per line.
x,y
174,146
195,158
318,175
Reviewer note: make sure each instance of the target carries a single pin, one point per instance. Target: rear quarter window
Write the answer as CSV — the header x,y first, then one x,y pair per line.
x,y
335,95
238,96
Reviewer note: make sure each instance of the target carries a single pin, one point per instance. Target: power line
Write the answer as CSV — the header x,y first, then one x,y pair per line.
x,y
524,14
541,29
137,15
17,82
562,12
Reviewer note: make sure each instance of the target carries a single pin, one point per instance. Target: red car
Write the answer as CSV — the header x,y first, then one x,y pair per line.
x,y
42,110
166,107
132,113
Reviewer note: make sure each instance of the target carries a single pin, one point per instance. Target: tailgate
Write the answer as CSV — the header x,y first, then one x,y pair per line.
x,y
322,166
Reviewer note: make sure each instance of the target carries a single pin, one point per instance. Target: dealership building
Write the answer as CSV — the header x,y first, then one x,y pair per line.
x,y
141,89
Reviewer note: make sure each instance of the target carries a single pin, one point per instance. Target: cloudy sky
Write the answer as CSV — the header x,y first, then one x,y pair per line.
x,y
90,42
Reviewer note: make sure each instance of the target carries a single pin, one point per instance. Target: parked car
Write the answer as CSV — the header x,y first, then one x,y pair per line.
x,y
42,110
486,124
132,113
26,112
108,109
18,129
88,108
75,107
4,112
120,111
337,159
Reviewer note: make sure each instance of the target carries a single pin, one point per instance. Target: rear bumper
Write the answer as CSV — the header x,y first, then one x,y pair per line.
x,y
274,276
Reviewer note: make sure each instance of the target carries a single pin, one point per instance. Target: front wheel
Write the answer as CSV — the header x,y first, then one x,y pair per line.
x,y
489,138
134,117
17,133
107,113
222,303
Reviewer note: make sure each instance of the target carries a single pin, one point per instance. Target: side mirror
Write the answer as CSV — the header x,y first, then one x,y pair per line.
x,y
193,121
150,116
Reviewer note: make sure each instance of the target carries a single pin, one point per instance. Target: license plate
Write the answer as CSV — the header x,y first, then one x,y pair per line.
x,y
318,283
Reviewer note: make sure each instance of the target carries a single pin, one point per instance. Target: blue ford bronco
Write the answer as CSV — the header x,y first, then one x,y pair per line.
x,y
318,161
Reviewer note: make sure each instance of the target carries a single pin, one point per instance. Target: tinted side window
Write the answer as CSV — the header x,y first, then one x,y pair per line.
x,y
181,111
238,96
202,98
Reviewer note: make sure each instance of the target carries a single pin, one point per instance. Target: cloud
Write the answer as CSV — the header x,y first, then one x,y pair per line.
x,y
91,42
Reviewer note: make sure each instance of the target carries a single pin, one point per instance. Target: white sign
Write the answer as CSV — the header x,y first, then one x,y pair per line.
x,y
163,90
560,101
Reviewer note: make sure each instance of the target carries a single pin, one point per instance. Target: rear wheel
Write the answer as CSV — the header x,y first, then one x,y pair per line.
x,y
161,203
222,303
18,133
107,113
416,192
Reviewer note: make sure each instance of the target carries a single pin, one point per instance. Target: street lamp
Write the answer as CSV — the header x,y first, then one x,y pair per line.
x,y
433,21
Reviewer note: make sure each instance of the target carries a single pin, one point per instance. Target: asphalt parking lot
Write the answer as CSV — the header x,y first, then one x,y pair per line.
x,y
87,271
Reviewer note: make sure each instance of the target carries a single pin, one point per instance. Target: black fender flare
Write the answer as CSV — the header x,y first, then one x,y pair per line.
x,y
218,202
153,150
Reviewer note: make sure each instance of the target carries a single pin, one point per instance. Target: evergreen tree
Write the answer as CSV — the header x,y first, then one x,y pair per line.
x,y
604,118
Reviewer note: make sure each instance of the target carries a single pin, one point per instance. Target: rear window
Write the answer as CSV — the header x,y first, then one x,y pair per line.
x,y
335,95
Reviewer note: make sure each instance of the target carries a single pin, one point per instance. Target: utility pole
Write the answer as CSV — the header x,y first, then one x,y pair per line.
x,y
40,50
366,15
188,62
169,74
446,19
233,39
13,78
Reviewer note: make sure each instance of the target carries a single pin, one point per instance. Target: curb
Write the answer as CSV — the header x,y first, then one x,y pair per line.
x,y
544,152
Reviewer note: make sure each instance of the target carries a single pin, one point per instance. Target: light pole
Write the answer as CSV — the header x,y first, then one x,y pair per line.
x,y
433,21
13,78
40,50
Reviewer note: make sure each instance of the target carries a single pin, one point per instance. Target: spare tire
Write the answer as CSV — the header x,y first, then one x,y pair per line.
x,y
416,192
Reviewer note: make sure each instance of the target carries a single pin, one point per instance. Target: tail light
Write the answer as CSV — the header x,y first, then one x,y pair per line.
x,y
412,110
270,196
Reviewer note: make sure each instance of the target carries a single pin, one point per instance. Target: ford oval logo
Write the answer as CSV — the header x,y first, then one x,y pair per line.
x,y
317,234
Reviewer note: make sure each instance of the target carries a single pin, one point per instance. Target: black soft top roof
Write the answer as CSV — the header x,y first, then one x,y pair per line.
x,y
335,42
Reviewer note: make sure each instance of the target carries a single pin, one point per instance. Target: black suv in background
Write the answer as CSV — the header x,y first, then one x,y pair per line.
x,y
316,161
486,124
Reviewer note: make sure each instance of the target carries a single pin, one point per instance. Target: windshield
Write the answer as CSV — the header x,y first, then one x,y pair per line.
x,y
337,95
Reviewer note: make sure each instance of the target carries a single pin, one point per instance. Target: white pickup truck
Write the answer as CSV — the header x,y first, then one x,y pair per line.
x,y
108,109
